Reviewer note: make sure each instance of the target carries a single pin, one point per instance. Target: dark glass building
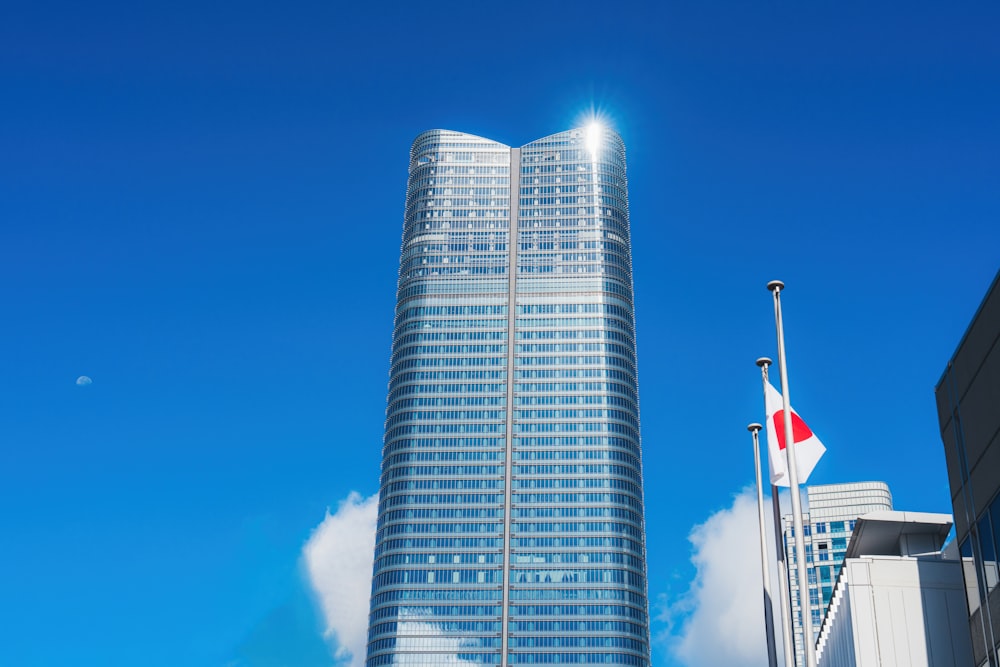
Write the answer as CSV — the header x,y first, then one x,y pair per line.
x,y
968,401
510,526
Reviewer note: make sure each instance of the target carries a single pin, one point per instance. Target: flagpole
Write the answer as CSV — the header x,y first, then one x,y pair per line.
x,y
772,658
808,641
787,633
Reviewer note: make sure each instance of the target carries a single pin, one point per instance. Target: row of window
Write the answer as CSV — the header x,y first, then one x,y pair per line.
x,y
577,658
421,311
496,178
430,559
554,373
622,627
442,471
401,350
577,483
433,629
462,644
409,324
590,360
632,501
622,350
415,456
461,415
603,269
520,414
443,513
416,429
580,427
399,544
443,484
564,542
586,469
407,444
523,503
451,658
582,642
397,577
574,447
578,610
578,577
556,512
566,308
592,413
411,628
569,454
574,334
450,336
577,399
616,527
575,323
423,376
432,611
466,527
466,389
585,593
527,247
441,499
448,362
437,595
606,179
576,441
518,528
468,400
529,261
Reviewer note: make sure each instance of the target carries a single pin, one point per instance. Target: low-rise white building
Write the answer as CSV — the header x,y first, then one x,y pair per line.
x,y
899,600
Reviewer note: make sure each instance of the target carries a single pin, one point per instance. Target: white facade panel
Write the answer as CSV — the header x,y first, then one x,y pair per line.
x,y
896,612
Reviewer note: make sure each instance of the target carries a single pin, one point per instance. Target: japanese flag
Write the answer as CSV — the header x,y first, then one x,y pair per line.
x,y
808,448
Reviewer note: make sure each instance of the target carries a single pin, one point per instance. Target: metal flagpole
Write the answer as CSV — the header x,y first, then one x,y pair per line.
x,y
808,641
787,633
772,658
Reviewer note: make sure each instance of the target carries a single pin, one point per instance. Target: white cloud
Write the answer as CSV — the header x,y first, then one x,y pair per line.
x,y
719,621
338,560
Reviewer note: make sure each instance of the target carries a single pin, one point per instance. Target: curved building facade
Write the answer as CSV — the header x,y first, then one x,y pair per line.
x,y
510,527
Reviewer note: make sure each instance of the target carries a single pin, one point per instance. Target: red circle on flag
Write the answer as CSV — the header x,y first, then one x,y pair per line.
x,y
800,431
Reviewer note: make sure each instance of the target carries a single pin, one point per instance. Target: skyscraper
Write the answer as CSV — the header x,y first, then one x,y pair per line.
x,y
510,526
833,511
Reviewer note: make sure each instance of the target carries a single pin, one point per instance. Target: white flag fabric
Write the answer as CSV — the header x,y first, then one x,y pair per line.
x,y
808,448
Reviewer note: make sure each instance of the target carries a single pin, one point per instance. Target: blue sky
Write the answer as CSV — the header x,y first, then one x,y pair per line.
x,y
200,209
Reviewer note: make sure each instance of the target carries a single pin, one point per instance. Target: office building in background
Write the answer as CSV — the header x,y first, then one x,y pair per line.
x,y
510,526
833,512
968,402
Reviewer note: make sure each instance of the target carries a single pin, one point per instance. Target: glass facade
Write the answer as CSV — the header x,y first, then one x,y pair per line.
x,y
510,525
827,527
968,402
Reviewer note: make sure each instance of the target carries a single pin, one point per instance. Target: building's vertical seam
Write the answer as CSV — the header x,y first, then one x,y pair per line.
x,y
512,244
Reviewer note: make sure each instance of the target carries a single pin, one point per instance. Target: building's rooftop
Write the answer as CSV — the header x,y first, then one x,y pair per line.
x,y
888,533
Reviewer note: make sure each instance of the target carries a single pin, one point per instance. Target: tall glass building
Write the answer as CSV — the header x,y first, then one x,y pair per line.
x,y
510,527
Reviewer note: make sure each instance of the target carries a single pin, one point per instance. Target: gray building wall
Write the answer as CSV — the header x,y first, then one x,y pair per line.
x,y
968,403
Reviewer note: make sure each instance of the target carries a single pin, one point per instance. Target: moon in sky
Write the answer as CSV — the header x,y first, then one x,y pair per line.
x,y
83,381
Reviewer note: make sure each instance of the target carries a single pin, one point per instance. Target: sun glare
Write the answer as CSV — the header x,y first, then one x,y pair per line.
x,y
595,131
